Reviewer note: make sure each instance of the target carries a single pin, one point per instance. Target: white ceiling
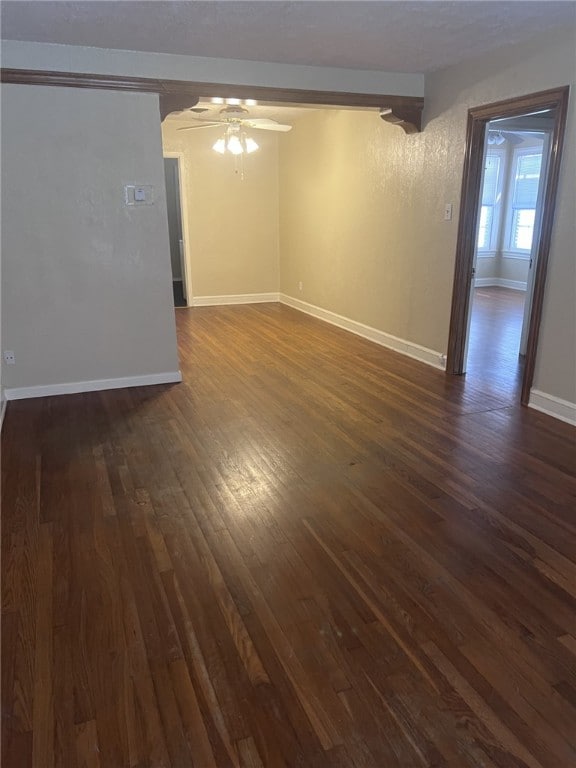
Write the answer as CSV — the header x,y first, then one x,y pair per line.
x,y
394,36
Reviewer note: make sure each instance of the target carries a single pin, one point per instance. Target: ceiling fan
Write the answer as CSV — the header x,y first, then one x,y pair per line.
x,y
238,116
497,136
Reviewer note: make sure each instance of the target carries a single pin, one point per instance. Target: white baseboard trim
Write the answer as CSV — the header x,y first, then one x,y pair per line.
x,y
553,406
409,348
96,385
240,298
2,412
501,282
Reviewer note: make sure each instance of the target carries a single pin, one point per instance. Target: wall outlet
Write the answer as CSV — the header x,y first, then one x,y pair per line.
x,y
300,285
9,357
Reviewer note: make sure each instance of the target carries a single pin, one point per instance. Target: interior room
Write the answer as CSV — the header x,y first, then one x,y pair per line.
x,y
507,249
278,487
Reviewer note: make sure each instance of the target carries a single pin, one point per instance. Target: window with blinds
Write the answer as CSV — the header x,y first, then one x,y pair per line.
x,y
526,179
490,195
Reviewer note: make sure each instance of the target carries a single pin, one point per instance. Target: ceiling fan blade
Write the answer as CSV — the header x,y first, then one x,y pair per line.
x,y
266,124
195,127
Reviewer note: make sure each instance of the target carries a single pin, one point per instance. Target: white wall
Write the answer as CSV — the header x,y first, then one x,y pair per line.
x,y
69,58
86,279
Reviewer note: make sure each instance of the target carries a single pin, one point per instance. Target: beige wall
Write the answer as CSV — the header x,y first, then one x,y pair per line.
x,y
86,280
547,62
361,221
232,222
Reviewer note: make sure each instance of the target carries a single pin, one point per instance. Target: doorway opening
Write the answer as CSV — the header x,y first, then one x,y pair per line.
x,y
506,250
509,187
175,230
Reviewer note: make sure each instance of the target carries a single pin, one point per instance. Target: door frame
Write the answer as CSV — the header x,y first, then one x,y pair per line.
x,y
178,156
478,119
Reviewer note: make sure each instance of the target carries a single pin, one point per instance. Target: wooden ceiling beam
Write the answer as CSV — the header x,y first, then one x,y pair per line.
x,y
176,95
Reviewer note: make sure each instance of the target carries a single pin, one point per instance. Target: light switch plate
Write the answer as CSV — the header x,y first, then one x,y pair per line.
x,y
448,212
139,194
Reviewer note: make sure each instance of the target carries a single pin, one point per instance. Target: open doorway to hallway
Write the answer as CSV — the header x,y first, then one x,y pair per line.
x,y
175,230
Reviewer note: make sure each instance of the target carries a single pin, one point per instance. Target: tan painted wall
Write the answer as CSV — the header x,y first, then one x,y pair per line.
x,y
361,221
547,62
85,279
233,223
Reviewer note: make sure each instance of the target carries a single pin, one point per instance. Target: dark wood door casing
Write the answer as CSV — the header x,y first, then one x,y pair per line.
x,y
478,119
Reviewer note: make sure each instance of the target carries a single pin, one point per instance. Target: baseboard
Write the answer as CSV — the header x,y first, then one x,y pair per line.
x,y
2,412
75,387
553,406
500,282
239,298
408,348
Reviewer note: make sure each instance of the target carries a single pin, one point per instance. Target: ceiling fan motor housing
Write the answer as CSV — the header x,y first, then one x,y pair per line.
x,y
233,110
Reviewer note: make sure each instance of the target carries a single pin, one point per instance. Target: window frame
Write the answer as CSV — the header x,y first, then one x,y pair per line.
x,y
509,251
497,209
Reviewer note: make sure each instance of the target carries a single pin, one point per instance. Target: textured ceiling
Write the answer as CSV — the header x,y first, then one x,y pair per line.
x,y
392,36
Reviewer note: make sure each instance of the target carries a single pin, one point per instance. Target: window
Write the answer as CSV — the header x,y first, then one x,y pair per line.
x,y
524,194
491,194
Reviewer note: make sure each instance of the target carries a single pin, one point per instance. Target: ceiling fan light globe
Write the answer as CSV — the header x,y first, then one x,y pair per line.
x,y
219,146
234,145
251,145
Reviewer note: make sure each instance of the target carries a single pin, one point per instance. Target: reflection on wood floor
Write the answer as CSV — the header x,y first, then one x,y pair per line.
x,y
495,329
313,553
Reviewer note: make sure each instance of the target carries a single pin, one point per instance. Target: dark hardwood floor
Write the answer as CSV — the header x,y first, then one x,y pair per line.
x,y
314,552
493,352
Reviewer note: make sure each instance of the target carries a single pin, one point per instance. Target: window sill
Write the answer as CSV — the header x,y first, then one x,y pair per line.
x,y
522,255
486,254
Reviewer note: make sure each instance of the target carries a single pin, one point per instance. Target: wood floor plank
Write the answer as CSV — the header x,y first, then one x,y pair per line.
x,y
312,553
